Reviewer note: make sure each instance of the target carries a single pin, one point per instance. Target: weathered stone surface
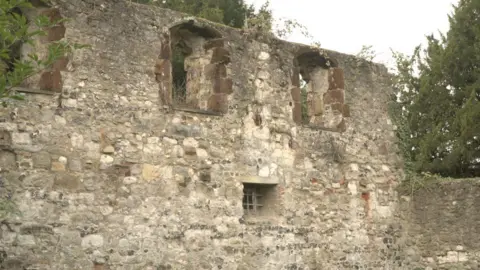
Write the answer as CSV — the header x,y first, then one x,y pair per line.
x,y
136,182
66,181
92,241
220,55
8,160
336,79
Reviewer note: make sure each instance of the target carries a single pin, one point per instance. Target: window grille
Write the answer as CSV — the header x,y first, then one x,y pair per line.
x,y
252,200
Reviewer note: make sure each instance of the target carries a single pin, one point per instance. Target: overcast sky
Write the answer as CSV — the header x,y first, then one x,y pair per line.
x,y
346,25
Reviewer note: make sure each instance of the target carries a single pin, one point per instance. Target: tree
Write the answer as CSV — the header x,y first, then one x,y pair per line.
x,y
439,98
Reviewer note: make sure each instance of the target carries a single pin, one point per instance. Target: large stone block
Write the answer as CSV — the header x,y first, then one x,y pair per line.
x,y
220,55
165,49
51,80
213,71
214,43
67,181
8,160
41,160
317,105
218,103
223,85
334,96
295,77
5,138
336,79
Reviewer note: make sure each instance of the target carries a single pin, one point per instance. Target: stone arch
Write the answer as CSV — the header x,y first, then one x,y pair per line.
x,y
321,101
193,62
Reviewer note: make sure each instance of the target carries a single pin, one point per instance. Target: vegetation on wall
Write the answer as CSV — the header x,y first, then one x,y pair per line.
x,y
237,14
229,12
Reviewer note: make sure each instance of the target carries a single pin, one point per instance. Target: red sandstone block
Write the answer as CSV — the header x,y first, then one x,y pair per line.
x,y
51,80
296,77
218,103
165,49
296,94
334,96
336,79
223,85
213,71
220,55
60,64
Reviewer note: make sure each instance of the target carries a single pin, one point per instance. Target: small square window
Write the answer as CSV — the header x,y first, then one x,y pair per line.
x,y
259,199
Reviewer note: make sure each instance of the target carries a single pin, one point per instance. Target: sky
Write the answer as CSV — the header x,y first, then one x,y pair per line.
x,y
346,25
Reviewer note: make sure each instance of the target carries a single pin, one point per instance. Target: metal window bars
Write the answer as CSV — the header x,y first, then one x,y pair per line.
x,y
251,200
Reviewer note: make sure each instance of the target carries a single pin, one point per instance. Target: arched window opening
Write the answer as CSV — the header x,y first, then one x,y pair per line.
x,y
317,91
198,63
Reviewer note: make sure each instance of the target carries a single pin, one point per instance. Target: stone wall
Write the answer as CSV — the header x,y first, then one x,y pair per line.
x,y
442,225
111,174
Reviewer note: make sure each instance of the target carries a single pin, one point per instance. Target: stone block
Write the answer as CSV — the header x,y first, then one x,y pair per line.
x,y
66,181
58,166
108,149
213,71
263,56
21,138
165,49
342,127
60,64
297,113
336,79
334,96
317,105
186,130
213,43
5,138
163,69
218,103
295,77
337,107
220,55
56,32
51,81
296,94
296,105
223,85
346,110
92,241
8,160
150,172
26,240
105,161
41,160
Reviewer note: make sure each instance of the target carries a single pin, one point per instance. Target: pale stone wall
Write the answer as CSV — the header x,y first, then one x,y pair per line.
x,y
441,225
108,175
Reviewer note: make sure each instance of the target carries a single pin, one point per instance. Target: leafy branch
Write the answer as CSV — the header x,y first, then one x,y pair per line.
x,y
14,32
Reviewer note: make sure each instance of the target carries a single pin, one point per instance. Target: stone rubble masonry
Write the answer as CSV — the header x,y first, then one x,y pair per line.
x,y
109,174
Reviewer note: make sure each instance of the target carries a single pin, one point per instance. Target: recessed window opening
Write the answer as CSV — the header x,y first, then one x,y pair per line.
x,y
259,199
313,78
303,99
188,60
179,74
252,199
